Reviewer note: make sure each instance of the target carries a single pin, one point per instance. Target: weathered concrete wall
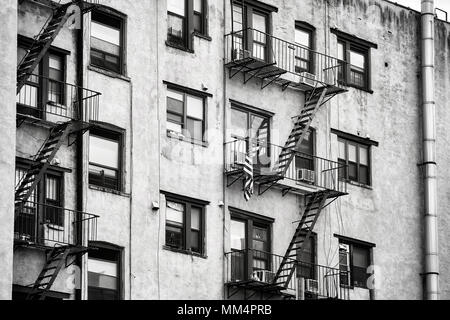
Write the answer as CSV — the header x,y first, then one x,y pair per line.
x,y
8,16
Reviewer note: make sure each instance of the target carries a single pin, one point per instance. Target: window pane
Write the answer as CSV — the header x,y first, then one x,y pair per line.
x,y
176,6
364,155
364,174
259,127
259,23
238,235
175,27
195,107
351,152
52,188
105,46
260,239
103,267
238,123
195,129
174,236
55,62
175,127
342,154
360,257
357,60
341,54
307,144
195,241
175,212
195,218
105,33
198,5
352,171
302,37
175,106
104,152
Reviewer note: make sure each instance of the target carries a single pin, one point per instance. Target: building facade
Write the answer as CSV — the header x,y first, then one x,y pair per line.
x,y
217,150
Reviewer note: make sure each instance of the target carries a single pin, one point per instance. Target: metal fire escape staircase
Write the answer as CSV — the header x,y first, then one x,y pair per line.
x,y
45,38
58,255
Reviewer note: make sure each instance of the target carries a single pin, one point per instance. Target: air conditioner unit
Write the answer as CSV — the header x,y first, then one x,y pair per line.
x,y
305,175
265,276
239,54
311,286
308,79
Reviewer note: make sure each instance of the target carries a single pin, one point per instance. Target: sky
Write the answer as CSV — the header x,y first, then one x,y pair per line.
x,y
415,4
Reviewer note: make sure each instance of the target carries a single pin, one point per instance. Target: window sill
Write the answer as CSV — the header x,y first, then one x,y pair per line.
x,y
175,136
357,184
108,190
202,36
186,252
109,73
179,47
359,88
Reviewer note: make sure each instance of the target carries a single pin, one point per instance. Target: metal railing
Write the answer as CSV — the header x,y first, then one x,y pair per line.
x,y
254,267
321,282
55,99
48,225
305,169
293,58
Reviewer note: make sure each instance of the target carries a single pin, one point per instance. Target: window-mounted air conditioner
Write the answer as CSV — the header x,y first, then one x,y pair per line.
x,y
265,276
239,54
308,79
311,286
305,175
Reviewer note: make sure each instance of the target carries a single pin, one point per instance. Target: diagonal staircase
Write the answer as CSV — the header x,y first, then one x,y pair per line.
x,y
42,43
43,160
314,205
55,261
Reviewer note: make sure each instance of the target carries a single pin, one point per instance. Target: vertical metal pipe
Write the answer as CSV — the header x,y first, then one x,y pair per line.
x,y
431,259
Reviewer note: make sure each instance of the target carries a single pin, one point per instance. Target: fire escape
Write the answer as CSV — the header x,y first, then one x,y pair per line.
x,y
274,64
68,114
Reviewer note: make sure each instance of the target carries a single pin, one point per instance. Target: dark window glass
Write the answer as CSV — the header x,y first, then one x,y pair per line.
x,y
105,159
104,274
184,225
186,115
106,42
53,198
357,71
308,259
356,157
354,261
305,160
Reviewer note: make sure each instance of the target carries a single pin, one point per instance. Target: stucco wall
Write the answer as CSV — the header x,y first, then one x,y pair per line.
x,y
8,15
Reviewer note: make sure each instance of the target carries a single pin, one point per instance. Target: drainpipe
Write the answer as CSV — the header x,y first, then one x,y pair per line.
x,y
79,150
431,272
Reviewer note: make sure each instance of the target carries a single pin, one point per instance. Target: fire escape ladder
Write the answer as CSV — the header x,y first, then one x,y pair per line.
x,y
43,160
314,205
43,41
314,101
56,259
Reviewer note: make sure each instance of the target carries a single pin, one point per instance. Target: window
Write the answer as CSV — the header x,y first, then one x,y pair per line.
x,y
185,17
105,158
307,266
305,159
104,272
354,260
50,193
356,52
251,130
250,244
186,114
185,224
107,49
254,16
303,55
356,157
45,88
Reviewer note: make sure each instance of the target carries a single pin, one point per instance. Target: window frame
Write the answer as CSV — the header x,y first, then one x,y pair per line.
x,y
108,132
194,93
186,43
358,142
96,246
188,203
306,27
361,46
252,219
121,18
43,76
352,243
